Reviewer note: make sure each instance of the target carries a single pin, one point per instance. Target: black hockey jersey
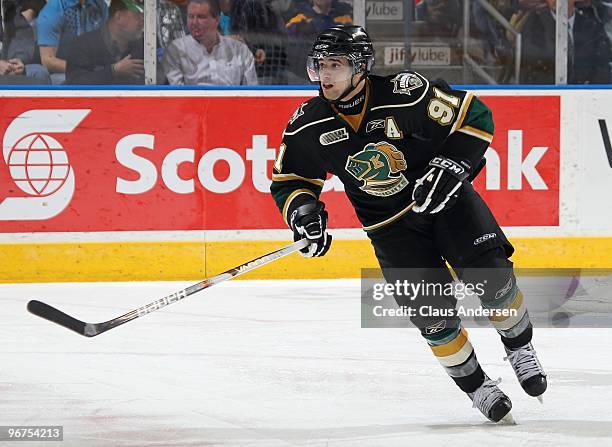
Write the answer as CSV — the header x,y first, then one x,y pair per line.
x,y
378,155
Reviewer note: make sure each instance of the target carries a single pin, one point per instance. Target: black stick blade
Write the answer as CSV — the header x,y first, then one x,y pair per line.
x,y
57,316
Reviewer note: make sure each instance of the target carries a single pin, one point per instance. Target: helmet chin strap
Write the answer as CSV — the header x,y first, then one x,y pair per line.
x,y
344,94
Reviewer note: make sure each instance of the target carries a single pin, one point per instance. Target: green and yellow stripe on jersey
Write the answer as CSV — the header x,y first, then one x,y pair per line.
x,y
288,177
474,119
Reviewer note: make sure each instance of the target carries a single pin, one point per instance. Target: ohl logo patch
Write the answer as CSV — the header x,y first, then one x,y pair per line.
x,y
379,166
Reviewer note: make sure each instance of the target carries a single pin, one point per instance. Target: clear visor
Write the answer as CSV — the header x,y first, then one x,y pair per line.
x,y
329,70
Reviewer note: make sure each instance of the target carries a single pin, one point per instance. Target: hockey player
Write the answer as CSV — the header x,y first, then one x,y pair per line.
x,y
393,141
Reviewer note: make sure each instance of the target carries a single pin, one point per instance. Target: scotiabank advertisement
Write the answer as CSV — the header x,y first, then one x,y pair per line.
x,y
204,163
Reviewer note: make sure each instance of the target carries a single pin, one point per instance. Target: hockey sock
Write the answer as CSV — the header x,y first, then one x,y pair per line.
x,y
514,328
455,353
502,293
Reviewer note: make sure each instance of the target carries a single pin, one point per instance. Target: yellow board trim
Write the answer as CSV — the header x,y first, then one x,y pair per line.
x,y
164,261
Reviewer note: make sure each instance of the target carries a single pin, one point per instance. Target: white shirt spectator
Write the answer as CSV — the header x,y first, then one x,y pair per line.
x,y
187,62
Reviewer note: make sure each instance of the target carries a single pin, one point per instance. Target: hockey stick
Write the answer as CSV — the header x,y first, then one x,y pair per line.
x,y
92,329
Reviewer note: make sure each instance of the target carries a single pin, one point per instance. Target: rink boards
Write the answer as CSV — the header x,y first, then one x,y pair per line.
x,y
102,185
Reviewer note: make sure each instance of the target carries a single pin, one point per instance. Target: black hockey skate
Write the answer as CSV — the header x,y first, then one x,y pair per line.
x,y
528,370
492,402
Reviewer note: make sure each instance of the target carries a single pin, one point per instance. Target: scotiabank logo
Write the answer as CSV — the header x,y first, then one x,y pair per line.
x,y
258,154
38,163
519,165
91,168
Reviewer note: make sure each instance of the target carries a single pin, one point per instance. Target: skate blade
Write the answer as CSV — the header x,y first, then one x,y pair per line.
x,y
508,419
540,398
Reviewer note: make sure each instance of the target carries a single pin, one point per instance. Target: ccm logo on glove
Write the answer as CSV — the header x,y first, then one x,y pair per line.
x,y
438,189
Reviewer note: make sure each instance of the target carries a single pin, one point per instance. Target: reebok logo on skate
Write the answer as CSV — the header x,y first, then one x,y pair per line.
x,y
485,237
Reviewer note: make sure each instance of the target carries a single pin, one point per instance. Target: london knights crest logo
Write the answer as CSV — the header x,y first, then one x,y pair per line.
x,y
379,166
404,83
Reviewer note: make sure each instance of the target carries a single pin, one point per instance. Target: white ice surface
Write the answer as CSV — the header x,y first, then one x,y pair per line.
x,y
275,364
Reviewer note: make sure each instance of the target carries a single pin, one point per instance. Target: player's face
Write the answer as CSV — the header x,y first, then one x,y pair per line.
x,y
335,75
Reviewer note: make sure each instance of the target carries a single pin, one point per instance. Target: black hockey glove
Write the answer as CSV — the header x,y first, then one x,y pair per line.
x,y
439,188
310,221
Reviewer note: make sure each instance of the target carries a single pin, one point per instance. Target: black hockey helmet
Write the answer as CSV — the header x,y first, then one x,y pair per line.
x,y
350,41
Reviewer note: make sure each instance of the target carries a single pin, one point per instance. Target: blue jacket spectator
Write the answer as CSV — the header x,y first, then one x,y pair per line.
x,y
59,23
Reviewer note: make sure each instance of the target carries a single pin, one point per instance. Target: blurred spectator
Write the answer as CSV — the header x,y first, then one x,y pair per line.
x,y
112,54
521,11
529,4
170,25
225,18
11,67
286,8
12,71
59,23
205,57
605,10
182,5
444,17
20,38
308,20
602,9
496,45
260,27
589,50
